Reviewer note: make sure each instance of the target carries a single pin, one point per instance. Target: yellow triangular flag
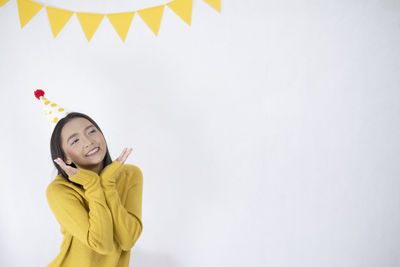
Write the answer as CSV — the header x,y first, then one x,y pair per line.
x,y
89,22
183,8
58,18
152,17
2,2
121,22
27,10
215,4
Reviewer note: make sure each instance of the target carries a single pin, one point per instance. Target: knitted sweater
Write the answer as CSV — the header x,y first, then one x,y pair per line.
x,y
101,222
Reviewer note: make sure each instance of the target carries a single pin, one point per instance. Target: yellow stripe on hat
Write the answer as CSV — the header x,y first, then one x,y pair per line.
x,y
53,111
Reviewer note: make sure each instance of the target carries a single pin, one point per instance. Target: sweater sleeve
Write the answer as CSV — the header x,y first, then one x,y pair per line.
x,y
93,227
127,219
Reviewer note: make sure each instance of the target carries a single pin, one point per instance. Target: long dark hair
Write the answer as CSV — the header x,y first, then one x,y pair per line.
x,y
56,148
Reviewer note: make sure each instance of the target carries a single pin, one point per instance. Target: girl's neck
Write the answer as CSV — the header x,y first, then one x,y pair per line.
x,y
95,168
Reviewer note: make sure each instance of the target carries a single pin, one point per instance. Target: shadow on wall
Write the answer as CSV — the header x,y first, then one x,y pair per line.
x,y
145,258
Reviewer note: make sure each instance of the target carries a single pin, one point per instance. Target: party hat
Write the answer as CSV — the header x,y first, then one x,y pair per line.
x,y
53,111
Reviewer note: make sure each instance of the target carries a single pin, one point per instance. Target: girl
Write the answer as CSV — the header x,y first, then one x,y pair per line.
x,y
96,201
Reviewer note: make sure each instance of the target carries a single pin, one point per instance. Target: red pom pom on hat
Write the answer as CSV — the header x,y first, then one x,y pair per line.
x,y
39,93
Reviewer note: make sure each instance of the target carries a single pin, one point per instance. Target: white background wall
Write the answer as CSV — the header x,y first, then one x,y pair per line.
x,y
267,134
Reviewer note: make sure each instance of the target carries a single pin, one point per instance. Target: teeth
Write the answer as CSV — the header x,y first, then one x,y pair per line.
x,y
93,151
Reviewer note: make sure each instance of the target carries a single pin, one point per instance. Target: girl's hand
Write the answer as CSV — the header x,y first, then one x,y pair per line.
x,y
68,169
124,155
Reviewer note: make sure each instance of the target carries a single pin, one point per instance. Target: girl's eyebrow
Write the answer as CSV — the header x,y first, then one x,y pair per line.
x,y
77,133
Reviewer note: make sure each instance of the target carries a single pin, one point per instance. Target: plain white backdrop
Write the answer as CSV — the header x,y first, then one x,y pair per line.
x,y
267,134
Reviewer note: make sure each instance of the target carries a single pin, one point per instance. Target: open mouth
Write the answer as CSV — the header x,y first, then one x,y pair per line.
x,y
93,152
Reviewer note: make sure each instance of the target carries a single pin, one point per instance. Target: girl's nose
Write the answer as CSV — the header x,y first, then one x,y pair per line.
x,y
87,142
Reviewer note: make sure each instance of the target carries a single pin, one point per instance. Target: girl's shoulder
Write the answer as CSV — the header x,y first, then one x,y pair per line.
x,y
59,183
131,168
133,172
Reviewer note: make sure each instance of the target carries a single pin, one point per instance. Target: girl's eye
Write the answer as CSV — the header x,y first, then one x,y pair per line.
x,y
76,140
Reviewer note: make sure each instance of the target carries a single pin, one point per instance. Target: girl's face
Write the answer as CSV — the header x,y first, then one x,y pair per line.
x,y
79,137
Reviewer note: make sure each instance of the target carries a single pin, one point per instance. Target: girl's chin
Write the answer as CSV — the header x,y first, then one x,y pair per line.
x,y
94,159
89,165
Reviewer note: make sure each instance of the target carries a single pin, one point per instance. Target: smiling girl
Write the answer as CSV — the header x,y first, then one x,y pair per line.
x,y
96,201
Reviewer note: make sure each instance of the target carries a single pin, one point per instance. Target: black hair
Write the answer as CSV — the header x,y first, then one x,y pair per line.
x,y
57,151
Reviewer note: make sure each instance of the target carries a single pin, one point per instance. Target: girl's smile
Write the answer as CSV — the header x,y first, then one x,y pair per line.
x,y
93,152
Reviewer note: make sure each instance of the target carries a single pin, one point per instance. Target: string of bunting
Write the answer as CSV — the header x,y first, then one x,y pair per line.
x,y
121,22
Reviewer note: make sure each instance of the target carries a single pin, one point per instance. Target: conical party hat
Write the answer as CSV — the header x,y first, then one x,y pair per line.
x,y
53,111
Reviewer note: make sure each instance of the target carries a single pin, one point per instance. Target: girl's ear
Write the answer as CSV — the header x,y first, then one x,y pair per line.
x,y
67,161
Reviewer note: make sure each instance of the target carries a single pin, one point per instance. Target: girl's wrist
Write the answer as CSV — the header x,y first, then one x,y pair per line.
x,y
109,172
84,177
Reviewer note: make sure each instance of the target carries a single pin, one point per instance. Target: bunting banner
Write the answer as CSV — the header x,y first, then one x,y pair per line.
x,y
121,22
2,2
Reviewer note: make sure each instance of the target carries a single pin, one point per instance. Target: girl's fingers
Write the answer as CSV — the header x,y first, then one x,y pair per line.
x,y
63,166
125,153
70,171
122,154
121,157
60,163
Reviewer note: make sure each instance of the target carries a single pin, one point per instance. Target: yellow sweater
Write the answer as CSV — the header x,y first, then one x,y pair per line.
x,y
101,222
